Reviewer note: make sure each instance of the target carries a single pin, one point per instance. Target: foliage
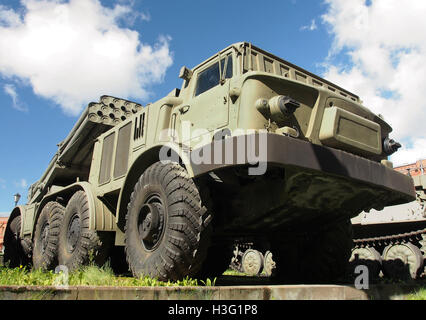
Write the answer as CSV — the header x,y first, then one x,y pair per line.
x,y
87,276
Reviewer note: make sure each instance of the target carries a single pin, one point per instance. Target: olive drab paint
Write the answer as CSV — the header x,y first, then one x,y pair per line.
x,y
295,150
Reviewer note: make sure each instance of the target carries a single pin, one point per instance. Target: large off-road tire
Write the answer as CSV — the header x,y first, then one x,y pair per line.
x,y
14,253
78,245
46,236
167,225
321,257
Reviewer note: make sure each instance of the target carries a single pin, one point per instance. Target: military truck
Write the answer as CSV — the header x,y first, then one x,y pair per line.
x,y
391,242
250,146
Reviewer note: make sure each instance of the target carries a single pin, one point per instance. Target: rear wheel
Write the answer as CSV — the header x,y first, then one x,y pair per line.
x,y
166,229
46,236
14,253
78,245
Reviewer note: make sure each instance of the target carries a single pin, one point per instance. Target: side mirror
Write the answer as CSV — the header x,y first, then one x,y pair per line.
x,y
185,73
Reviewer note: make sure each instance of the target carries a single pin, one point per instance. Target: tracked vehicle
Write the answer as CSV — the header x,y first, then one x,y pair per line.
x,y
251,146
250,259
392,241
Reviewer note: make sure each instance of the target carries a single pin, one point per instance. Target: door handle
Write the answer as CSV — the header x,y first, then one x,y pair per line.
x,y
184,109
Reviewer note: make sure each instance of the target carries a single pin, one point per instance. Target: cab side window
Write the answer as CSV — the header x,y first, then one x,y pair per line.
x,y
210,77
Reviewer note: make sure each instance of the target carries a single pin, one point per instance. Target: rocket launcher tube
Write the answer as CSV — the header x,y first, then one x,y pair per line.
x,y
95,119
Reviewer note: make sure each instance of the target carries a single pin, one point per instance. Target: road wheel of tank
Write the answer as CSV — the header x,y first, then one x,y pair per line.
x,y
252,262
369,257
78,245
14,254
46,236
268,264
166,234
402,261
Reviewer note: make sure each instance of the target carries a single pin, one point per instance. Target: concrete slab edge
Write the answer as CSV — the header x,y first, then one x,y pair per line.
x,y
270,292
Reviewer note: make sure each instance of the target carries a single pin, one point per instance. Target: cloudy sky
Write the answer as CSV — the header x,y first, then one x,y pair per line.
x,y
57,56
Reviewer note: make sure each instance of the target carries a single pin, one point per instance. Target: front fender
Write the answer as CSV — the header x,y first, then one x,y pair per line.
x,y
160,152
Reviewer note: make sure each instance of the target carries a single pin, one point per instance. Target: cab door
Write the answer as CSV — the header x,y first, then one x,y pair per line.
x,y
208,108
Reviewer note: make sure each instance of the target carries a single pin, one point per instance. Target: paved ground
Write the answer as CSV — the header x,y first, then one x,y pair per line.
x,y
226,288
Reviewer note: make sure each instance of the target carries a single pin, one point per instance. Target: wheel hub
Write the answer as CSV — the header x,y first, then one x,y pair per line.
x,y
44,237
73,233
150,224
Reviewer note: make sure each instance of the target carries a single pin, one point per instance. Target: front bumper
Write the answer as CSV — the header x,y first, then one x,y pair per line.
x,y
278,150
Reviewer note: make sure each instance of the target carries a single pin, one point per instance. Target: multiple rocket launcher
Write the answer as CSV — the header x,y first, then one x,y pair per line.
x,y
72,160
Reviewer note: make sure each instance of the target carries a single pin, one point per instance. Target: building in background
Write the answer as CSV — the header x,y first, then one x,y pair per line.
x,y
413,169
3,223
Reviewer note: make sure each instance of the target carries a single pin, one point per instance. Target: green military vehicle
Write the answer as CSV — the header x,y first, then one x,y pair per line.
x,y
392,241
251,147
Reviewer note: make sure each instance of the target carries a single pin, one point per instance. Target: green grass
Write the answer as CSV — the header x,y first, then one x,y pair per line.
x,y
87,276
231,272
418,295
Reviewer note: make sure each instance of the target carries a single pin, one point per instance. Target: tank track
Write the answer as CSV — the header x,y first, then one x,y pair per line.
x,y
418,236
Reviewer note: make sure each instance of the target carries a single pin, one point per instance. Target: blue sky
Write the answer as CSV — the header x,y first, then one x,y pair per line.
x,y
57,56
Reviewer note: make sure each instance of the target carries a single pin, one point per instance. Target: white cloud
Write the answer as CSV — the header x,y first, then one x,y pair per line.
x,y
2,183
75,51
21,184
10,90
4,214
411,154
311,27
386,46
8,17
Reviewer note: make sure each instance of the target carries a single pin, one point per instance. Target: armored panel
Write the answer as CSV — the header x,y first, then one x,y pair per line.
x,y
342,128
122,151
106,161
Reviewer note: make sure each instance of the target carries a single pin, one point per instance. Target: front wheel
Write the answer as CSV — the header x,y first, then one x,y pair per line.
x,y
167,233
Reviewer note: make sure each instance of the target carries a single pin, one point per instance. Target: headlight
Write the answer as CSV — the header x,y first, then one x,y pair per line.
x,y
278,107
390,146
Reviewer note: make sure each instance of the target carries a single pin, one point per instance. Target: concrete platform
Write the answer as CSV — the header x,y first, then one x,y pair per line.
x,y
252,292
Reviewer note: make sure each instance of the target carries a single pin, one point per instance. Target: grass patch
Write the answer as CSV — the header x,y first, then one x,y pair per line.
x,y
232,272
418,295
87,276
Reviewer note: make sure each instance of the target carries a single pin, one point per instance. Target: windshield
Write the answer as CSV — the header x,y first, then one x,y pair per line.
x,y
210,77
